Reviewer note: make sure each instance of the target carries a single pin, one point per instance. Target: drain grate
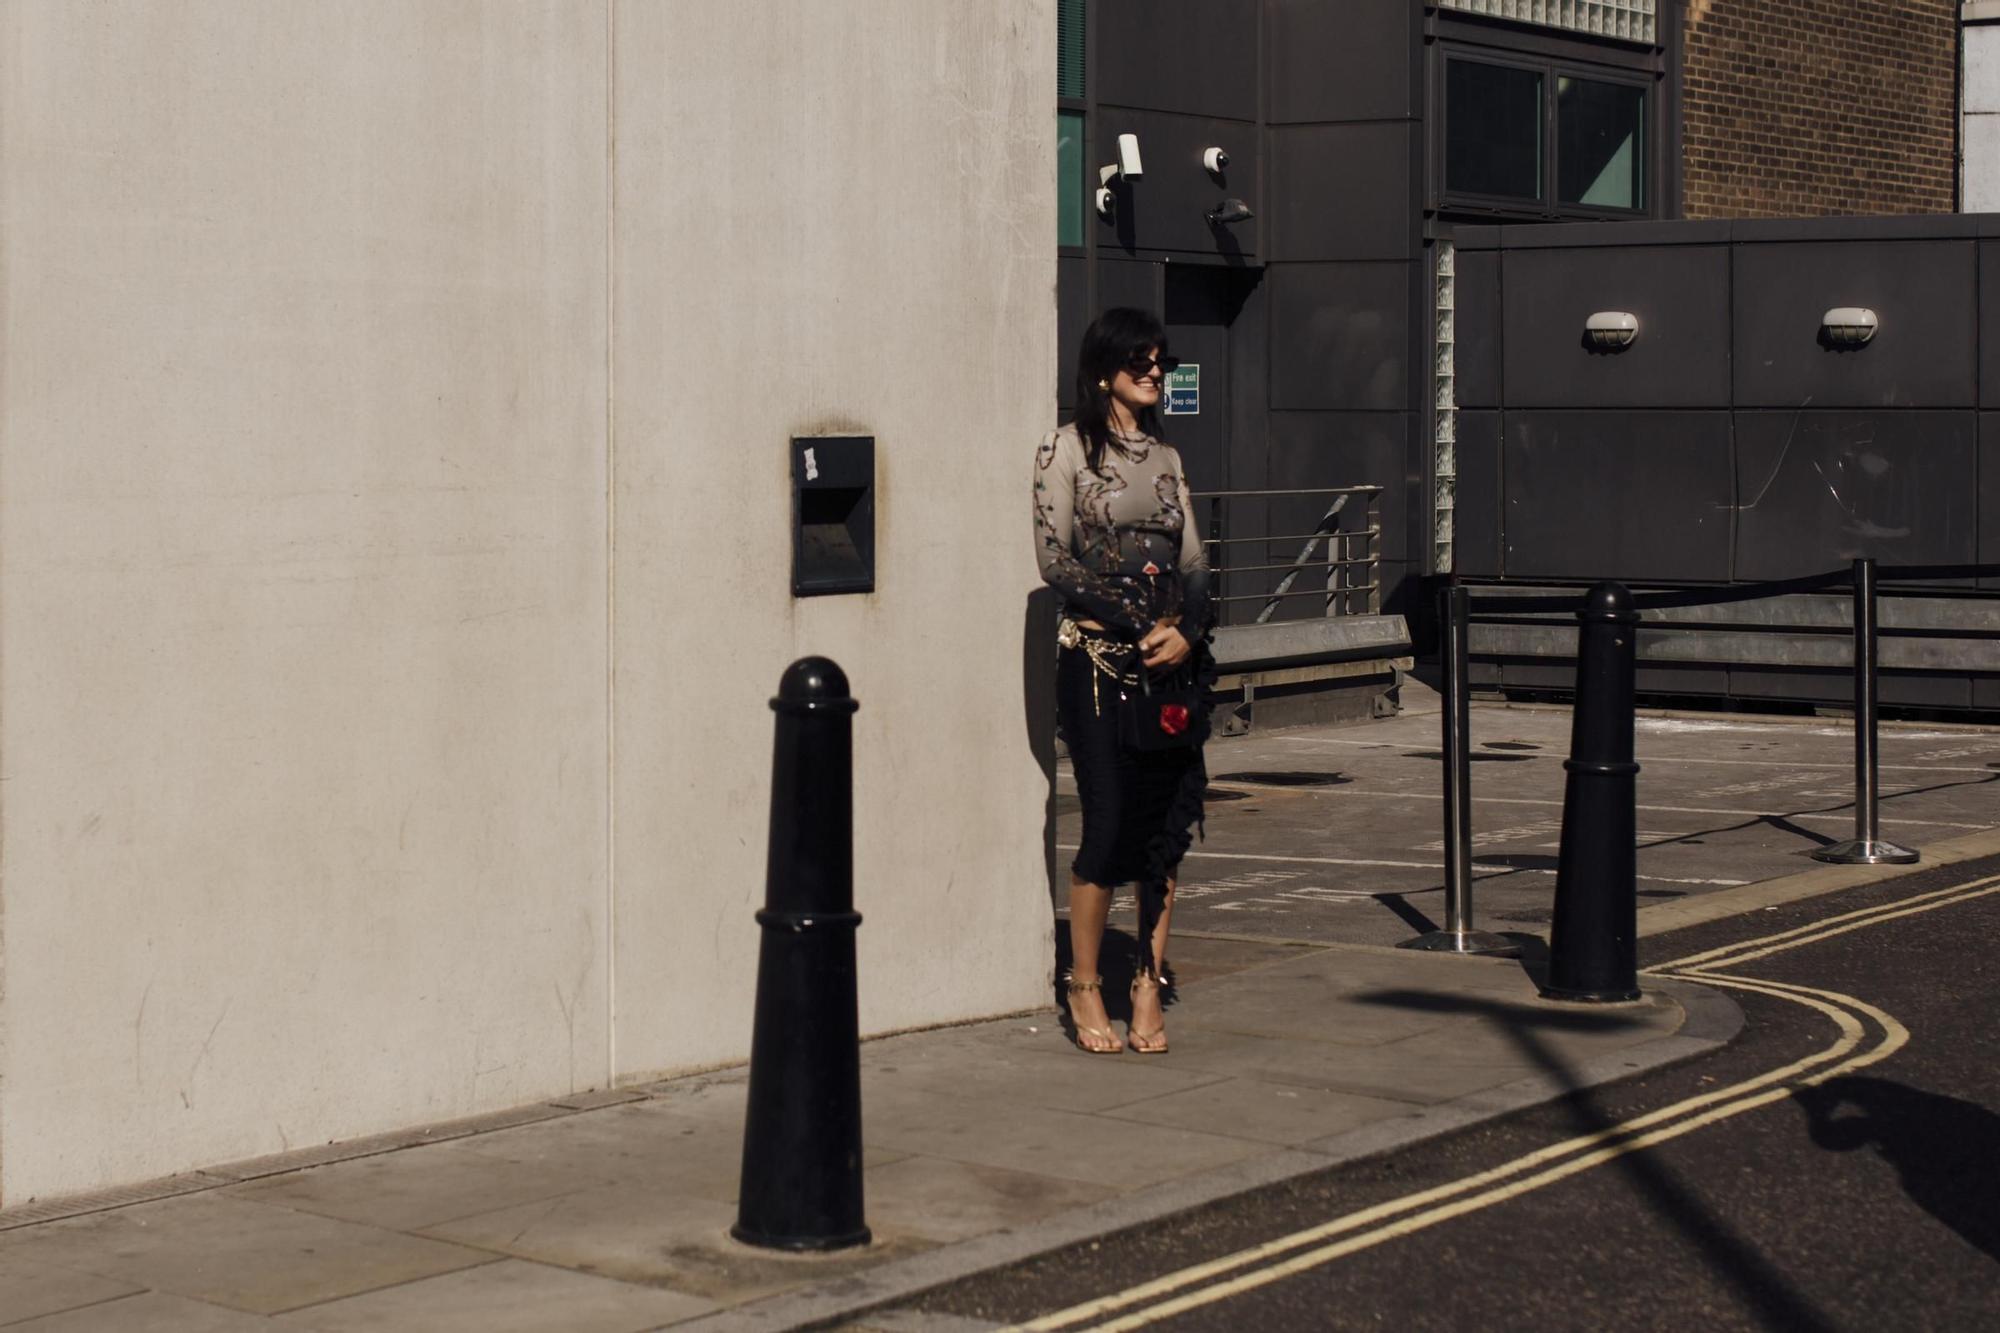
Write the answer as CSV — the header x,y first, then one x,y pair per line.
x,y
103,1201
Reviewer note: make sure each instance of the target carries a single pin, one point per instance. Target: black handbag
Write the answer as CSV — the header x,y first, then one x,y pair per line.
x,y
1172,718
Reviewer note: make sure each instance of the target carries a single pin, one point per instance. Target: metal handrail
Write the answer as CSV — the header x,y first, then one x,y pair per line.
x,y
1346,590
1302,592
1303,490
1266,569
1301,536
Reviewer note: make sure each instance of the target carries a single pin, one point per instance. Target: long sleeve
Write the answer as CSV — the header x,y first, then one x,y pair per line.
x,y
1108,602
1197,581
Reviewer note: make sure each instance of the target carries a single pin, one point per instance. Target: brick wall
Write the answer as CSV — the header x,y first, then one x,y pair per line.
x,y
1802,108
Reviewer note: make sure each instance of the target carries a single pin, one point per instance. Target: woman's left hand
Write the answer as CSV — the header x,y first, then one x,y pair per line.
x,y
1164,646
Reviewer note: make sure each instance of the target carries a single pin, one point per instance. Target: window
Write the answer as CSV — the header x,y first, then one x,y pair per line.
x,y
1495,141
1071,196
1541,138
1601,143
1069,178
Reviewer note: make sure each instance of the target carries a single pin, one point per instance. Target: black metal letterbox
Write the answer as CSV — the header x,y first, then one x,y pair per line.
x,y
833,514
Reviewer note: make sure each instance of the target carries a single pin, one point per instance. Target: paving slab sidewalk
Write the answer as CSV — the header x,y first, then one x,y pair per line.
x,y
985,1143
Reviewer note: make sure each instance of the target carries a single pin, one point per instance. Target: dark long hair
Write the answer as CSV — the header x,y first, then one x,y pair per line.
x,y
1112,339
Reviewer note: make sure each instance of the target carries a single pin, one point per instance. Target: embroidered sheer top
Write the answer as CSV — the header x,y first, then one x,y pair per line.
x,y
1119,543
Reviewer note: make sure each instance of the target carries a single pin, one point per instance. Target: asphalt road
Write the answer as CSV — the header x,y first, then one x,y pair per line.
x,y
1837,1167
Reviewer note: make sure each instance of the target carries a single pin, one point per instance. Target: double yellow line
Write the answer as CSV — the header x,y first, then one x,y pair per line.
x,y
1259,1265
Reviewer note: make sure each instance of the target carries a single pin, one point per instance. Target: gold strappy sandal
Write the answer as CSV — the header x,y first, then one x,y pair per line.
x,y
1103,1034
1145,1043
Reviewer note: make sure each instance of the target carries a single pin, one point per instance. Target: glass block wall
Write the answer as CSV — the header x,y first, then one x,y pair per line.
x,y
1444,411
1631,20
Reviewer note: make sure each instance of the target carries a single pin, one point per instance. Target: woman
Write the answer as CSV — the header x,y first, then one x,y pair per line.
x,y
1115,537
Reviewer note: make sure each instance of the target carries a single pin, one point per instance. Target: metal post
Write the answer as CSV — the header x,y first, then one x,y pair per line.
x,y
801,1185
1374,553
1458,936
1866,847
1216,562
1593,939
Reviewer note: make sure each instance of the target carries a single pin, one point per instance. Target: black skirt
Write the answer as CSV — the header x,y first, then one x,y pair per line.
x,y
1140,807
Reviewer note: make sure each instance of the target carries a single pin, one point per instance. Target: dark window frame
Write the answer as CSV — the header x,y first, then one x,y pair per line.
x,y
1555,56
1648,100
1545,165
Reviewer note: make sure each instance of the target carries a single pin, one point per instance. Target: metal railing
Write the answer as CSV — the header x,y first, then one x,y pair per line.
x,y
1353,582
1458,609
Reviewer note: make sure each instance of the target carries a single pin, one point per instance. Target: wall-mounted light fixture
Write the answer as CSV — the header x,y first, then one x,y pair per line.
x,y
1127,167
1611,330
1848,326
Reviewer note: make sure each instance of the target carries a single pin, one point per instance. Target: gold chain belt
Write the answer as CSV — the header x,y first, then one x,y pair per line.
x,y
1104,655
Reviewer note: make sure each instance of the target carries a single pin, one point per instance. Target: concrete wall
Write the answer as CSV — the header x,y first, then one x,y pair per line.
x,y
382,690
831,219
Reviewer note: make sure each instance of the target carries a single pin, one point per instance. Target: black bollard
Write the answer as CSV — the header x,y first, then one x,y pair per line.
x,y
801,1185
1593,943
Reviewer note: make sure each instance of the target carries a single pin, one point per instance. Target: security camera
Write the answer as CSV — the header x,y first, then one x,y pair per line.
x,y
1215,160
1129,165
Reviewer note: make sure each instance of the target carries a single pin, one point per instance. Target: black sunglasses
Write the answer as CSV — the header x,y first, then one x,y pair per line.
x,y
1140,364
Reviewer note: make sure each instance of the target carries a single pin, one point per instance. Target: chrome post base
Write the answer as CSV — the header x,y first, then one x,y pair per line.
x,y
1478,942
1866,852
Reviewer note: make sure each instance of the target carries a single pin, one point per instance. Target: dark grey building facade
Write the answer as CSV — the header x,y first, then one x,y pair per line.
x,y
1356,134
1438,199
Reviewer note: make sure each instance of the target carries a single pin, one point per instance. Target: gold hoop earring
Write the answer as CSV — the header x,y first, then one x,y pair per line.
x,y
1104,384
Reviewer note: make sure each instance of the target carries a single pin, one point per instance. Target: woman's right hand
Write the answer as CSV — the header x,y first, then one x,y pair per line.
x,y
1164,646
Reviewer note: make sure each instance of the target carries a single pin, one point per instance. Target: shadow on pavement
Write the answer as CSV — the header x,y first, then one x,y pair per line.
x,y
1731,1256
1946,1151
1038,695
1533,956
1785,822
1287,778
1409,915
1517,1020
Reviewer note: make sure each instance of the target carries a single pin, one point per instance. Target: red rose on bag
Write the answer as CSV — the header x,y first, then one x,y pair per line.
x,y
1173,719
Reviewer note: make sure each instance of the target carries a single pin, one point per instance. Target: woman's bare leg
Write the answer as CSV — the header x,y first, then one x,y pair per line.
x,y
1160,930
1149,1021
1089,908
